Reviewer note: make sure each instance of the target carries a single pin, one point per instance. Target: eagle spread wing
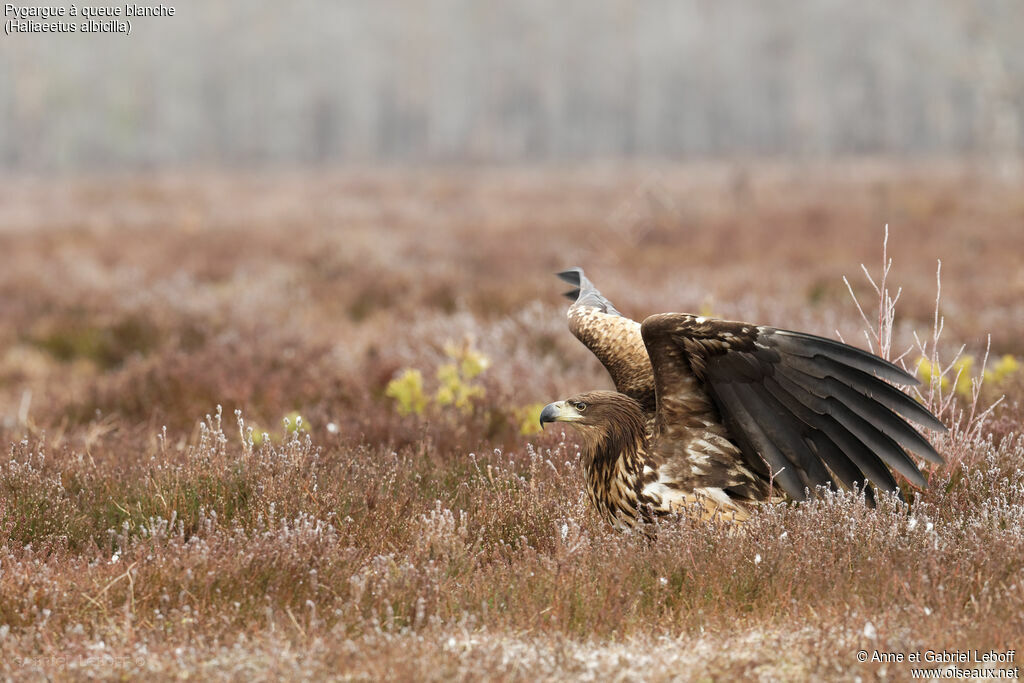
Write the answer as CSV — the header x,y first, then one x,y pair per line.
x,y
731,406
612,337
807,407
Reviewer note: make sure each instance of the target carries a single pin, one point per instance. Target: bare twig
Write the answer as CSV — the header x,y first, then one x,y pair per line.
x,y
965,422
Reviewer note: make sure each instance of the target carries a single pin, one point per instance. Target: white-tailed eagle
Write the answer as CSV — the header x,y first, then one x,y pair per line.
x,y
718,413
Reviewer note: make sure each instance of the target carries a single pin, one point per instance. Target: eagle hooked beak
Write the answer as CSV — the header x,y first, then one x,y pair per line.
x,y
559,411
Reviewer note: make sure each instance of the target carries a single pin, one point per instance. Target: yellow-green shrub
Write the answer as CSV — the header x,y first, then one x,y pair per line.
x,y
407,391
961,373
528,418
456,382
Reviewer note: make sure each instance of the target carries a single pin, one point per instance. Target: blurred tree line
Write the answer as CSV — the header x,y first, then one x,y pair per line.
x,y
232,82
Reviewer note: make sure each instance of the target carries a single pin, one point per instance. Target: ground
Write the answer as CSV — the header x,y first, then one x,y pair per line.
x,y
283,424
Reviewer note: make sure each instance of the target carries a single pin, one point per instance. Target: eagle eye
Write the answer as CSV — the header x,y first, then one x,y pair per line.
x,y
580,406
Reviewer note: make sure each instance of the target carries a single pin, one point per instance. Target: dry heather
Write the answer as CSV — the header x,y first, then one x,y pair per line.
x,y
143,531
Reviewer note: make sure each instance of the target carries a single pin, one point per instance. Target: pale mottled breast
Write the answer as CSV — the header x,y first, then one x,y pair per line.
x,y
664,497
615,501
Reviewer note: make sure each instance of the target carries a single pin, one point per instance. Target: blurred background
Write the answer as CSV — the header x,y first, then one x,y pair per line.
x,y
232,83
283,207
352,213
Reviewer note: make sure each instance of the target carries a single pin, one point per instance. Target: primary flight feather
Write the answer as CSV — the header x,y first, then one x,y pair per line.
x,y
717,413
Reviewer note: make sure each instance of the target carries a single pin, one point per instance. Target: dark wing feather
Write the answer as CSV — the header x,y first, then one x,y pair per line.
x,y
745,426
612,337
828,437
875,412
869,385
807,407
584,293
810,346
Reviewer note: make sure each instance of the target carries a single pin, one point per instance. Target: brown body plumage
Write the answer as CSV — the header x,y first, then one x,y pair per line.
x,y
629,475
715,413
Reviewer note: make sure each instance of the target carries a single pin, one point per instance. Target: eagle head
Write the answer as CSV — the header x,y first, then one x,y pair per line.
x,y
597,414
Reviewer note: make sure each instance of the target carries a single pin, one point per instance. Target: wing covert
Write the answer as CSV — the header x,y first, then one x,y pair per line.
x,y
612,337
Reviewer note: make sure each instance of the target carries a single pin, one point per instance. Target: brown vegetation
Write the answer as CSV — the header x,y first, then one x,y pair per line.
x,y
141,530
